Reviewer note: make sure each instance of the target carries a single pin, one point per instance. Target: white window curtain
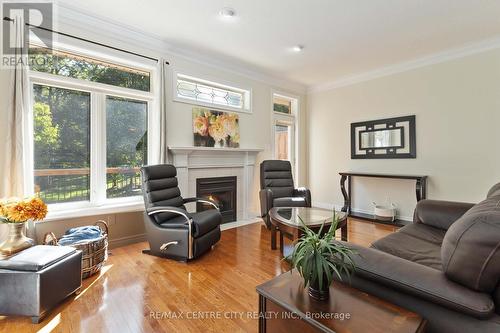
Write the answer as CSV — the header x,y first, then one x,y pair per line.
x,y
162,70
14,123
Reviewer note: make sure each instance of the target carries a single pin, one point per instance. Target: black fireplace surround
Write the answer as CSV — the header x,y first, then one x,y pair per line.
x,y
221,190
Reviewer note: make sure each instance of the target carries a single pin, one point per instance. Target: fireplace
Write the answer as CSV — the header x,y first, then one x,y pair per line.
x,y
221,190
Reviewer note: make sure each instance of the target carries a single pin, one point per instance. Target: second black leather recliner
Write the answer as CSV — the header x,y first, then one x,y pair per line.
x,y
278,190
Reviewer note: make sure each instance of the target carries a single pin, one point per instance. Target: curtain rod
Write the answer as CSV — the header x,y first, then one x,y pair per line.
x,y
87,40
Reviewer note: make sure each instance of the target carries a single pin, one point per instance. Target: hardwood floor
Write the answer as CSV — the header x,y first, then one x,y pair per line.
x,y
141,293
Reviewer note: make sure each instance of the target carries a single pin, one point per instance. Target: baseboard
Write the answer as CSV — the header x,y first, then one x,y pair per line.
x,y
325,205
119,242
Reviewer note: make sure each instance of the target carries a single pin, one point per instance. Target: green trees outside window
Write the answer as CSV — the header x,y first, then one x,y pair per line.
x,y
62,129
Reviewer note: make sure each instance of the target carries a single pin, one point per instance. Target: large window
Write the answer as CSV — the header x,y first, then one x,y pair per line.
x,y
127,145
90,129
207,93
61,143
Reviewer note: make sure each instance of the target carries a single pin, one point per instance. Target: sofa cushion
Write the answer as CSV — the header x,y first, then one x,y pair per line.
x,y
494,191
438,213
424,232
471,247
415,242
420,281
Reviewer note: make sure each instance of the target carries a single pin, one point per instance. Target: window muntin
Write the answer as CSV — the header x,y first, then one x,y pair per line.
x,y
127,145
61,144
210,93
86,68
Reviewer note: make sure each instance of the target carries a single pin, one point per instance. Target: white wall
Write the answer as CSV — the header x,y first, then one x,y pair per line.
x,y
255,128
457,108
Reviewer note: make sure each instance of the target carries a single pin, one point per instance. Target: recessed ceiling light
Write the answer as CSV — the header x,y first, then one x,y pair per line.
x,y
227,12
297,48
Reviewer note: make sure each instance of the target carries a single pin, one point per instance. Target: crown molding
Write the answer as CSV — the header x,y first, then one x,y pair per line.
x,y
96,25
440,57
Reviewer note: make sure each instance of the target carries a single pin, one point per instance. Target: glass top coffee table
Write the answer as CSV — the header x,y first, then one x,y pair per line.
x,y
287,222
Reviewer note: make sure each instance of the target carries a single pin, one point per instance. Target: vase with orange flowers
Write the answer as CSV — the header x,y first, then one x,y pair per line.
x,y
15,213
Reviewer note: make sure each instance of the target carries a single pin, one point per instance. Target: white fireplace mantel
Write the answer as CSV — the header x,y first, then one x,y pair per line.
x,y
210,149
196,162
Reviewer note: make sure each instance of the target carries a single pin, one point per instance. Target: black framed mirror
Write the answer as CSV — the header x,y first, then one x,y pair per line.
x,y
384,138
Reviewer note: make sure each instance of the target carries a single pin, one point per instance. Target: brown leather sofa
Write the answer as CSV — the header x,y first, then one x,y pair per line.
x,y
444,266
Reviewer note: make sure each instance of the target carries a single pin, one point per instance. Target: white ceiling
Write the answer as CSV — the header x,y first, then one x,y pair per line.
x,y
341,37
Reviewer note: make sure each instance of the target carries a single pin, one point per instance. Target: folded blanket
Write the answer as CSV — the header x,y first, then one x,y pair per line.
x,y
79,235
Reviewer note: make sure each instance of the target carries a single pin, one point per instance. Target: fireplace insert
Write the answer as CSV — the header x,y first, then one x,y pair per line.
x,y
221,190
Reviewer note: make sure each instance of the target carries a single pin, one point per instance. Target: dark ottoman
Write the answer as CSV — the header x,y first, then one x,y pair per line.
x,y
37,279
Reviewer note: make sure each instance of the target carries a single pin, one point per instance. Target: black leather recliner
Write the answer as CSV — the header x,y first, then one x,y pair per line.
x,y
173,232
277,188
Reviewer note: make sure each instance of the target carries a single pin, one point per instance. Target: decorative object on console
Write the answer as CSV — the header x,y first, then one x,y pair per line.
x,y
384,138
215,128
384,213
94,250
318,259
15,213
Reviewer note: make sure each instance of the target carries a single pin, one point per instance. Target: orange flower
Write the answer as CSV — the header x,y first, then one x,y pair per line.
x,y
37,209
18,211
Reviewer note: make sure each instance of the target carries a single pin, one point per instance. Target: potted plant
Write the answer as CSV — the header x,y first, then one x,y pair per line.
x,y
317,259
15,213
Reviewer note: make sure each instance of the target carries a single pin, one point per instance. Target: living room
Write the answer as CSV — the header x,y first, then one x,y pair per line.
x,y
248,166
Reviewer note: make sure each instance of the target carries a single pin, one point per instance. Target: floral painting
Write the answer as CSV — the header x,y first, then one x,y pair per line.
x,y
215,128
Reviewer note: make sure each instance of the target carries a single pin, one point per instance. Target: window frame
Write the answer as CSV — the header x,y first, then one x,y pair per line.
x,y
216,83
287,119
98,203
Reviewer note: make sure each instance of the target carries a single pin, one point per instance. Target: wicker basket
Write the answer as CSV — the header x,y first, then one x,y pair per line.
x,y
94,253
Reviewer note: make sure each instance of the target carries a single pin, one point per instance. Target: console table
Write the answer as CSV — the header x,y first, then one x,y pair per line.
x,y
420,190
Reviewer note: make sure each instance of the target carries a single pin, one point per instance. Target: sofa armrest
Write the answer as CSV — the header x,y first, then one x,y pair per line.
x,y
304,193
266,201
420,281
439,214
